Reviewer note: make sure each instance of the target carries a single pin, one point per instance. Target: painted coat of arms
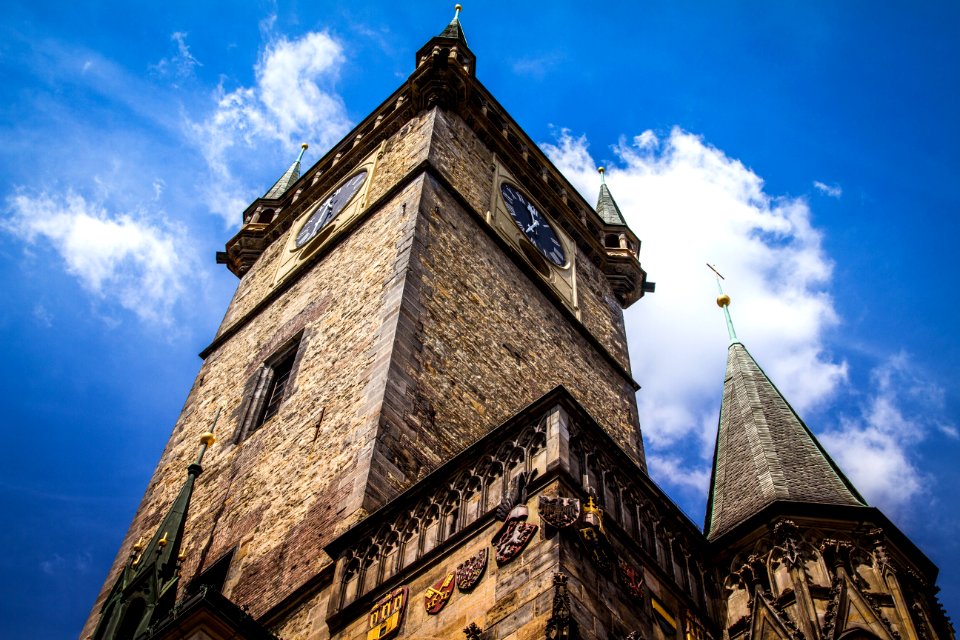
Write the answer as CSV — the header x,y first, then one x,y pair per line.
x,y
559,512
470,571
437,596
516,534
632,579
385,616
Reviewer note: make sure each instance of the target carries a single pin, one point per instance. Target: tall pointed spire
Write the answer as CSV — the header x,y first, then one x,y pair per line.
x,y
764,452
146,589
606,206
290,176
453,30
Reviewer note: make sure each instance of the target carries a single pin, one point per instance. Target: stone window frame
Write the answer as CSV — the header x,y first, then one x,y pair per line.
x,y
263,385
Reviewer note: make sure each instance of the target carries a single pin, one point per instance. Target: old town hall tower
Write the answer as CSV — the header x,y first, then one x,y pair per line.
x,y
426,426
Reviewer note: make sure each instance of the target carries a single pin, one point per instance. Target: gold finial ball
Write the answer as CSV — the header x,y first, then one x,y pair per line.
x,y
458,8
304,145
600,169
723,300
208,438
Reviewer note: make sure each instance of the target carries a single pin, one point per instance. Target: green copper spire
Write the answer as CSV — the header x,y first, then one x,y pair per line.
x,y
146,589
453,30
606,206
723,301
765,454
290,176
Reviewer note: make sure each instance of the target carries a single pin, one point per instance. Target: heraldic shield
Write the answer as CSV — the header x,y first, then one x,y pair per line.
x,y
515,537
631,578
470,571
437,596
386,616
559,512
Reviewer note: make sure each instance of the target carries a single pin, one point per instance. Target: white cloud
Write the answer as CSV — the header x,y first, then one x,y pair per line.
x,y
118,257
834,190
42,315
179,65
74,563
294,99
691,204
877,448
677,471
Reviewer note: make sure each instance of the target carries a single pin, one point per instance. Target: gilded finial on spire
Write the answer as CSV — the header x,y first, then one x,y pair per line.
x,y
723,301
602,171
456,12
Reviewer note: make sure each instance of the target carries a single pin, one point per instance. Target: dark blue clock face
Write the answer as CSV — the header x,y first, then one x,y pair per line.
x,y
330,207
533,224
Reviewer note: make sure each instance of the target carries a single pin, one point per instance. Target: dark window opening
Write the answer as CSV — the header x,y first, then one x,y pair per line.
x,y
213,576
278,386
268,388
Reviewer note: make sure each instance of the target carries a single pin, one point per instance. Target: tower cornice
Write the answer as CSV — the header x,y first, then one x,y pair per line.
x,y
455,89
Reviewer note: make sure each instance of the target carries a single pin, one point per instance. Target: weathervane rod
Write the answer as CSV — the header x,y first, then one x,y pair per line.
x,y
723,301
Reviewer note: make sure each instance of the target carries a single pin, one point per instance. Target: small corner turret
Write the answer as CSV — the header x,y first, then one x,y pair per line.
x,y
444,66
622,248
244,248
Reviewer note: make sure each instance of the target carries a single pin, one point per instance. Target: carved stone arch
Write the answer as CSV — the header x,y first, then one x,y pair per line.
x,y
814,566
750,565
451,513
349,584
472,491
851,611
409,542
493,482
430,528
629,502
862,569
609,494
390,553
578,459
370,568
594,474
532,437
767,624
737,597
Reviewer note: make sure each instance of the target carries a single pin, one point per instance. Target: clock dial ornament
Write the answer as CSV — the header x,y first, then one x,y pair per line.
x,y
533,224
330,207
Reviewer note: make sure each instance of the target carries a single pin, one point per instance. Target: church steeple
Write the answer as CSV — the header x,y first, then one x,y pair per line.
x,y
448,50
606,206
454,31
764,452
290,176
146,589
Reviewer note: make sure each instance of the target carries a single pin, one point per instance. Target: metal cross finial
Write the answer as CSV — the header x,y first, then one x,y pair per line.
x,y
723,301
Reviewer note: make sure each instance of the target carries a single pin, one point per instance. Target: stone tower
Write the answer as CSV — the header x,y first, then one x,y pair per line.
x,y
428,427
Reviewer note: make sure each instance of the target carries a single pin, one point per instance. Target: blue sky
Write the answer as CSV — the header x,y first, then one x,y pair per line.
x,y
809,150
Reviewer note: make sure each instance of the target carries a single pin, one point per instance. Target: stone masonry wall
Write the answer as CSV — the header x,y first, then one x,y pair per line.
x,y
478,341
299,479
467,163
401,152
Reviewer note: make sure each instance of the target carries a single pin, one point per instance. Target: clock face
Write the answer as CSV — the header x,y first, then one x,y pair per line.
x,y
330,207
533,224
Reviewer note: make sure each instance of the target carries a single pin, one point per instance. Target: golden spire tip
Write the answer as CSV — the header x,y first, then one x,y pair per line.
x,y
304,145
723,300
207,438
457,9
